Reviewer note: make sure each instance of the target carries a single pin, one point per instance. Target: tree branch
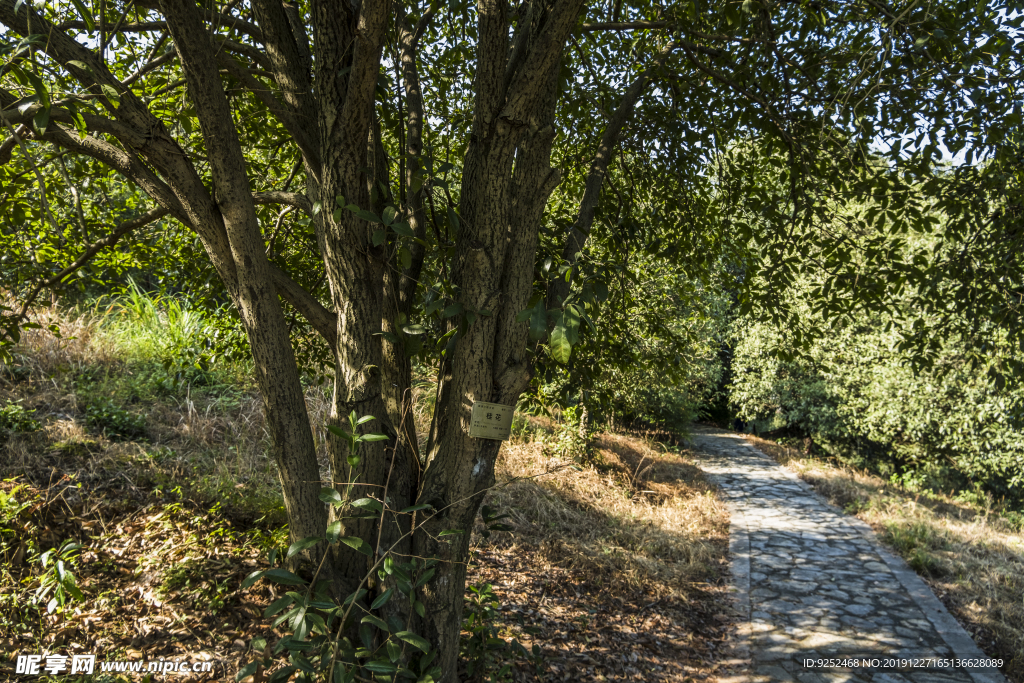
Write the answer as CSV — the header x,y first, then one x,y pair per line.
x,y
288,54
319,317
722,78
408,40
153,63
287,117
215,18
8,145
93,122
623,26
545,49
90,251
577,237
299,201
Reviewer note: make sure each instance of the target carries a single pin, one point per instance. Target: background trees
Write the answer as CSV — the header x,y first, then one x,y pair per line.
x,y
479,189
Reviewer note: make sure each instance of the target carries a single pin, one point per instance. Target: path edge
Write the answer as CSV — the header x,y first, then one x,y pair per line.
x,y
946,625
739,589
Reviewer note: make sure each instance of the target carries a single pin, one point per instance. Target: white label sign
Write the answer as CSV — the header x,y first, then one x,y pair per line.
x,y
491,421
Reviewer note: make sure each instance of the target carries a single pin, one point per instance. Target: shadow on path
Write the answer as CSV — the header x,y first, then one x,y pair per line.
x,y
824,601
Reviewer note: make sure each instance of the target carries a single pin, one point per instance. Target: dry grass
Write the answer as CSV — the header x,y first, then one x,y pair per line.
x,y
972,559
618,564
211,441
639,514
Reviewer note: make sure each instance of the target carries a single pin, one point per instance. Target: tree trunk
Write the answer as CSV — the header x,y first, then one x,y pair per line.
x,y
252,287
489,364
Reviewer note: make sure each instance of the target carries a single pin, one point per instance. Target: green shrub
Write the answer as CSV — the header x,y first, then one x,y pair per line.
x,y
487,656
944,428
57,582
15,418
115,422
10,506
572,435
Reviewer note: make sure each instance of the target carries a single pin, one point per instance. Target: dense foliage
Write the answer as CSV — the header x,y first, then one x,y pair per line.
x,y
941,417
947,427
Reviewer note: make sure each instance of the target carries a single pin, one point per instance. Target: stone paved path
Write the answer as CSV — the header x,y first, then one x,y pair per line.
x,y
814,583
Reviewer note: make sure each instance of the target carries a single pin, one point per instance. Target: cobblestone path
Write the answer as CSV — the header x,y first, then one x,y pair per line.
x,y
813,583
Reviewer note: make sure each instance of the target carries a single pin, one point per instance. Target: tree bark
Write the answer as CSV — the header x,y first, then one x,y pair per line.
x,y
505,185
254,293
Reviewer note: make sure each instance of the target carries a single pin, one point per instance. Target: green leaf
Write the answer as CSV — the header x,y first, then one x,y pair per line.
x,y
358,595
400,574
331,496
282,675
559,345
83,12
338,431
538,321
368,216
414,508
42,93
382,599
41,120
403,229
248,670
334,531
357,544
373,437
301,545
427,576
252,578
571,322
377,238
283,576
389,215
111,94
452,310
416,641
451,532
379,623
420,609
379,666
278,605
369,503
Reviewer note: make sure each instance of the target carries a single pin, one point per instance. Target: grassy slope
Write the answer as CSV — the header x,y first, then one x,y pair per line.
x,y
614,569
973,560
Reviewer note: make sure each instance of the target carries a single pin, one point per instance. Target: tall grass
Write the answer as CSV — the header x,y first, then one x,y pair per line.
x,y
143,326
